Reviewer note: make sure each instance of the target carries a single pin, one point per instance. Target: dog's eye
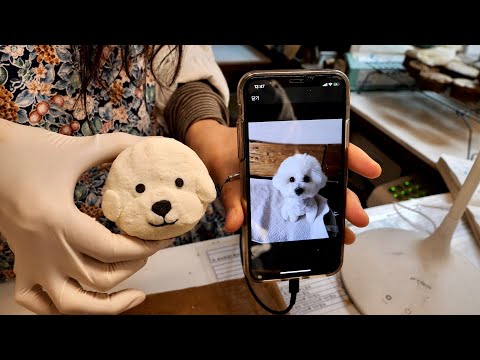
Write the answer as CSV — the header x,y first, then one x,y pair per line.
x,y
140,188
292,179
306,178
179,182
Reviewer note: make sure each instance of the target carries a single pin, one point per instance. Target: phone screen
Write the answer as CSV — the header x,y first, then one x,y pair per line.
x,y
295,173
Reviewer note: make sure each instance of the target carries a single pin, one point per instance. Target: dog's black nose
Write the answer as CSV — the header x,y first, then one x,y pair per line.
x,y
299,191
162,207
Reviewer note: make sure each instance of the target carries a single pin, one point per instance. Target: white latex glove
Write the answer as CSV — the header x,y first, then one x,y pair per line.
x,y
56,246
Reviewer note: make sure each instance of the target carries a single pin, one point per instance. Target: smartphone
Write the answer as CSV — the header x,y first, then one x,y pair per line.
x,y
293,136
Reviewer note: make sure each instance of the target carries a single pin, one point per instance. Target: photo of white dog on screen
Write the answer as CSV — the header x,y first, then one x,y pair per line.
x,y
295,171
299,178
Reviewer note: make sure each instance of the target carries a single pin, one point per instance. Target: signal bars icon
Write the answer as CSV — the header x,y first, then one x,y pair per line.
x,y
328,84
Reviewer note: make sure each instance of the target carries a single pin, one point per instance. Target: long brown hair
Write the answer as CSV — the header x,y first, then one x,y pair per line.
x,y
90,63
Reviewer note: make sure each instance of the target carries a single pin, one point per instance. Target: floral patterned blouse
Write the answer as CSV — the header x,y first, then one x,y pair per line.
x,y
39,86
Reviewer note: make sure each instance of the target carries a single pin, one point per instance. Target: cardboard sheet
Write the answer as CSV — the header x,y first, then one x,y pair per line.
x,y
230,297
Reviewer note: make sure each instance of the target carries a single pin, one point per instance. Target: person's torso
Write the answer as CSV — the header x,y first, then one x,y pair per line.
x,y
40,86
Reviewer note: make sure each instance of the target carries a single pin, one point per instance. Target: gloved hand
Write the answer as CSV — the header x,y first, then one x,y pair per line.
x,y
57,247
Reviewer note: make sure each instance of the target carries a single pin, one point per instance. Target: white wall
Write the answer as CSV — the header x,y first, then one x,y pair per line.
x,y
325,131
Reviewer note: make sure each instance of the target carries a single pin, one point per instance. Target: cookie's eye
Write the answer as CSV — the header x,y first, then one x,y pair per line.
x,y
306,178
292,179
179,182
140,188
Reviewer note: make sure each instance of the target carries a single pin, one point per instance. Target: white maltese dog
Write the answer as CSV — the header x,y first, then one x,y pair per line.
x,y
299,178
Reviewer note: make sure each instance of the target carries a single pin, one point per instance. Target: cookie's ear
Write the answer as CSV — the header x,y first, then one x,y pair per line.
x,y
205,188
111,205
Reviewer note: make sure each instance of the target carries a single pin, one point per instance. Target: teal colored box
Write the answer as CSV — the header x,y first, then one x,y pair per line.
x,y
377,72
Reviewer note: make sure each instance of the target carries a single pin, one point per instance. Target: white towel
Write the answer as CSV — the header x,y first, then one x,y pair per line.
x,y
268,225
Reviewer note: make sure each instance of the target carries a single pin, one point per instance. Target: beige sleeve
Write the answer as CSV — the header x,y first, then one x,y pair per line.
x,y
191,102
198,63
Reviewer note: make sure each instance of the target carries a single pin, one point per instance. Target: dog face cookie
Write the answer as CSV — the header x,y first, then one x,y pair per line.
x,y
157,189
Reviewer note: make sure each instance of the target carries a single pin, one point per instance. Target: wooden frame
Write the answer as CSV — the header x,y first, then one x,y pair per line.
x,y
265,158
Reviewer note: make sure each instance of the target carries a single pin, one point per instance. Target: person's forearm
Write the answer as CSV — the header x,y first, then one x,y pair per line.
x,y
190,103
196,138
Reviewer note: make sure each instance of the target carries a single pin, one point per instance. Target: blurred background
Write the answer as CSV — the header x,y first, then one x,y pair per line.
x,y
410,104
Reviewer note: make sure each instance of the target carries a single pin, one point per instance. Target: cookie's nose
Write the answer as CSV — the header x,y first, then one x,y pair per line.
x,y
299,191
162,207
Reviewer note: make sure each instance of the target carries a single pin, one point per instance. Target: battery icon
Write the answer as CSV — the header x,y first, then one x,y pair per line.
x,y
336,84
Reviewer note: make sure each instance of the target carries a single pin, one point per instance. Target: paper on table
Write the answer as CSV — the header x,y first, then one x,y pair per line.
x,y
316,296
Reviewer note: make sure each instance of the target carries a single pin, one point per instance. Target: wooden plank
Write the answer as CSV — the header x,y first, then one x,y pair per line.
x,y
265,158
230,297
331,163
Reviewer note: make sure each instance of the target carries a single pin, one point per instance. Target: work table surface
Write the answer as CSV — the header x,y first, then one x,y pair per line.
x,y
420,124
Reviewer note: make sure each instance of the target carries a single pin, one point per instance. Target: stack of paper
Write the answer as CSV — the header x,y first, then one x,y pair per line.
x,y
454,171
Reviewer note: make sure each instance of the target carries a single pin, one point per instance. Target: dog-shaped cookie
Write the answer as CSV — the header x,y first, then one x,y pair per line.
x,y
299,178
157,189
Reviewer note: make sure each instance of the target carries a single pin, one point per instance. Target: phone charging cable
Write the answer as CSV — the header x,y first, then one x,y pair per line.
x,y
293,288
